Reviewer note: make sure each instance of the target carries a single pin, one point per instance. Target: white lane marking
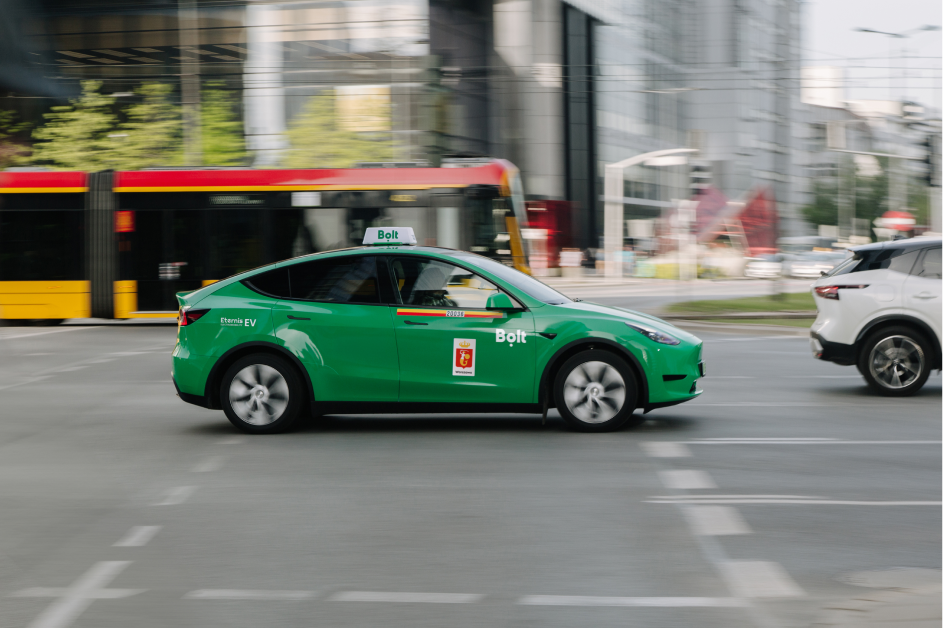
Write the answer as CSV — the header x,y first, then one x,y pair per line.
x,y
231,440
138,536
759,578
247,594
683,498
811,442
101,361
762,438
715,520
592,600
175,496
684,479
70,368
415,598
731,377
74,599
32,380
659,449
213,463
42,333
790,337
831,502
28,355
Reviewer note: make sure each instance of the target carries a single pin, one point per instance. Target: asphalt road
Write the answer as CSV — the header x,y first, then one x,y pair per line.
x,y
758,504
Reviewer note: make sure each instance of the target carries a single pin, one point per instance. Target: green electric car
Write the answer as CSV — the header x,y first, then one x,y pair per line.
x,y
398,328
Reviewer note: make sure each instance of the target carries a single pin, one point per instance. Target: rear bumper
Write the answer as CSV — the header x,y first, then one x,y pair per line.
x,y
197,400
836,352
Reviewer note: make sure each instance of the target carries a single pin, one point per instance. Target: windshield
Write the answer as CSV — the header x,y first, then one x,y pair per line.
x,y
526,283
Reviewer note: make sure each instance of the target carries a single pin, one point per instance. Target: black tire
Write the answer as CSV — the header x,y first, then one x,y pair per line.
x,y
895,361
262,394
586,392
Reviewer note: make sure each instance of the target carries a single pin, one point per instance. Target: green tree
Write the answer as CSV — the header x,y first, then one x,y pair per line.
x,y
76,136
152,134
221,131
317,139
12,152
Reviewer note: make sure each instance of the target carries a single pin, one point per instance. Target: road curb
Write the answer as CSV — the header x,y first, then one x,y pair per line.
x,y
735,328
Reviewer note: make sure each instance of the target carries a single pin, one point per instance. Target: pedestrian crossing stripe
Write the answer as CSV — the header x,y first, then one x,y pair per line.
x,y
448,313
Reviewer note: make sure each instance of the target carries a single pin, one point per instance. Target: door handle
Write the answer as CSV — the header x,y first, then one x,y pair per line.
x,y
298,318
414,323
924,295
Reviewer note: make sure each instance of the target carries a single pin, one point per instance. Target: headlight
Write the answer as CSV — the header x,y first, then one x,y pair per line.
x,y
653,334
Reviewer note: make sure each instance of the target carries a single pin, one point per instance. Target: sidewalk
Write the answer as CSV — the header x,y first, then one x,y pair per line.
x,y
907,608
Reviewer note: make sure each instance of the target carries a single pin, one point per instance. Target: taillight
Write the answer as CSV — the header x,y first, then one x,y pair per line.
x,y
186,316
831,292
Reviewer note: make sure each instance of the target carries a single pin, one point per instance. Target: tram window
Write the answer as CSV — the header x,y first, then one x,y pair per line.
x,y
336,280
272,283
37,245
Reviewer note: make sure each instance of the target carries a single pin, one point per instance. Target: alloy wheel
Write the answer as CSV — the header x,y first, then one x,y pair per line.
x,y
896,362
594,392
258,394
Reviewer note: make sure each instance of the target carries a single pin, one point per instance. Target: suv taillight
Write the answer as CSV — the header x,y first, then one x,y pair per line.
x,y
186,316
831,292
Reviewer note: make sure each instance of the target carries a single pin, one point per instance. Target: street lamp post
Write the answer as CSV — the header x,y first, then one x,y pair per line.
x,y
614,220
890,51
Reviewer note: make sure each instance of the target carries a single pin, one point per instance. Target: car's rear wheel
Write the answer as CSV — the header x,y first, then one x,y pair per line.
x,y
596,391
262,394
895,361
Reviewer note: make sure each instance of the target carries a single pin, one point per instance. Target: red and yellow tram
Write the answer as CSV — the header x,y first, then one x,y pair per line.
x,y
121,244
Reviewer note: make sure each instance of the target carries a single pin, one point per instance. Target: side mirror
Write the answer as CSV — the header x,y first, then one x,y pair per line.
x,y
500,301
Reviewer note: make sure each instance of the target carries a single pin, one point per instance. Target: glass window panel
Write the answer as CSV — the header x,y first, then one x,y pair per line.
x,y
427,282
336,280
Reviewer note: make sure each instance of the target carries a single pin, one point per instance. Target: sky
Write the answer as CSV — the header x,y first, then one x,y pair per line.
x,y
830,39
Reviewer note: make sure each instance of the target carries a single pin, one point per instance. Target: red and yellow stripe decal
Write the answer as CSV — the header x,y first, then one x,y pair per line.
x,y
286,188
448,313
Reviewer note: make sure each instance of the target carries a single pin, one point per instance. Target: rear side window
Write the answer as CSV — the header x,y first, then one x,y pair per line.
x,y
336,280
898,259
273,283
929,267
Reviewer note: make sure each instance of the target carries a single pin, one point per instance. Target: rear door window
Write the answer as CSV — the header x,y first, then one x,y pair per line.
x,y
336,280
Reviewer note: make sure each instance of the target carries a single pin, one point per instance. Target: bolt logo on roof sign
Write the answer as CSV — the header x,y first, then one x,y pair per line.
x,y
389,235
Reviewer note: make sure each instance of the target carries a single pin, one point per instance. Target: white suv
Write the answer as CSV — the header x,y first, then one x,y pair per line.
x,y
880,310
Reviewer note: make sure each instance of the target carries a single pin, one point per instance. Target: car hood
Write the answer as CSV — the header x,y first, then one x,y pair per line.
x,y
631,316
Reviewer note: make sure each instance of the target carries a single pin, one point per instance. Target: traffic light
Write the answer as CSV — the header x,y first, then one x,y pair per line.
x,y
931,160
700,177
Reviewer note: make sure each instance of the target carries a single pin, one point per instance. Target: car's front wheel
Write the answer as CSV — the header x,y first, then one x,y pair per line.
x,y
261,394
895,361
596,391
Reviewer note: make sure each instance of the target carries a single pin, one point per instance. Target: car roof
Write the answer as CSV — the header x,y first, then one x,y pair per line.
x,y
909,243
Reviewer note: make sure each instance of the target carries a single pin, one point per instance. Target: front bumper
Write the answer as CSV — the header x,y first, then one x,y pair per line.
x,y
836,352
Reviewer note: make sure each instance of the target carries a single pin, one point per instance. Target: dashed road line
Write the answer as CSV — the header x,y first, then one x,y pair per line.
x,y
138,536
175,496
406,597
248,594
664,602
73,600
213,463
662,449
813,501
41,333
715,520
686,479
759,579
231,440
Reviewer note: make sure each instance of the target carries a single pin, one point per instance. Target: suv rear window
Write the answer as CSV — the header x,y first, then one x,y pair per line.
x,y
897,259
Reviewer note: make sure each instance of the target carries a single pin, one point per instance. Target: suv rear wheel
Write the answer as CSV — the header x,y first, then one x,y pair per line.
x,y
895,361
261,394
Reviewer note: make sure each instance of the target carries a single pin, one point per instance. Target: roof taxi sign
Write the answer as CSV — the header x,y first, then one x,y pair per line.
x,y
389,235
